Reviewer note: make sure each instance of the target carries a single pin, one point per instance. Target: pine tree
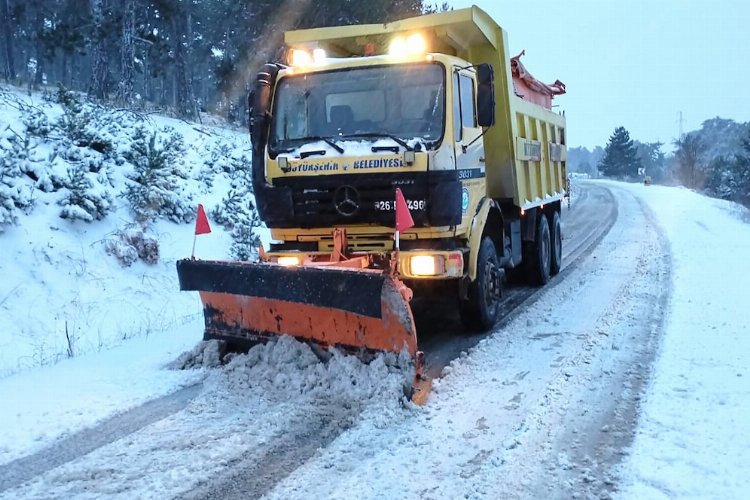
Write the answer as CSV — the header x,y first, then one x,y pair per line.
x,y
83,201
156,183
620,156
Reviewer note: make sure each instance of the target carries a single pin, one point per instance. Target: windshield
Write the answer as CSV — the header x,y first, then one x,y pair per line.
x,y
404,101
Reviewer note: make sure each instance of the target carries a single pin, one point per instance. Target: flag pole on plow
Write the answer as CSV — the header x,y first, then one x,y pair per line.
x,y
201,227
403,217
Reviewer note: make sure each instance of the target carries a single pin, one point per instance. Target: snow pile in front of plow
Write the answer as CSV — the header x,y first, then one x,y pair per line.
x,y
286,368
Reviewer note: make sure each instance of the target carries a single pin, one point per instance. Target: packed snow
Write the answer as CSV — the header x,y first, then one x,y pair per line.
x,y
693,438
523,414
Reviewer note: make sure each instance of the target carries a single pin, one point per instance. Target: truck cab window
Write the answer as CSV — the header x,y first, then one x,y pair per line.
x,y
468,114
464,112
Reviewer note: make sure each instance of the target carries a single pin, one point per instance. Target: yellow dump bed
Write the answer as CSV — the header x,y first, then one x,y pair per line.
x,y
525,152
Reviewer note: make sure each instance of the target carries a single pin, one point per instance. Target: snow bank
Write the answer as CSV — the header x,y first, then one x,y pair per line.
x,y
693,438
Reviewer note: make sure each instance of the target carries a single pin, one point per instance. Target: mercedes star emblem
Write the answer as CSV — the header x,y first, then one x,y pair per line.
x,y
346,200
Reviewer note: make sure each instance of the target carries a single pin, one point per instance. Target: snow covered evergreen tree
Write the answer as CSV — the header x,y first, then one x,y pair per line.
x,y
620,156
156,184
84,200
237,212
13,197
245,239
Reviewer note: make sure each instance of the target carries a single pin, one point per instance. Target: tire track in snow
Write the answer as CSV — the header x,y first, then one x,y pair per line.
x,y
83,442
254,474
589,441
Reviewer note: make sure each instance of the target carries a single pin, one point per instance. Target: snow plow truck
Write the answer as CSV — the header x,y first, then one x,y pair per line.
x,y
431,109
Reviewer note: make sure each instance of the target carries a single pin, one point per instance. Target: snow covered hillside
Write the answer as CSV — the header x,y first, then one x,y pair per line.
x,y
96,205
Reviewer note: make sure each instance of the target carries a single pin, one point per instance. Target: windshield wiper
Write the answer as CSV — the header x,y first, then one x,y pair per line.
x,y
328,140
395,139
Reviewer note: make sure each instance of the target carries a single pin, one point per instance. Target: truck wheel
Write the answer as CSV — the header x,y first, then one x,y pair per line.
x,y
479,312
556,237
540,253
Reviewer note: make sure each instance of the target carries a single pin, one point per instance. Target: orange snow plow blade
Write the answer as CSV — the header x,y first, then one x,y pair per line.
x,y
362,310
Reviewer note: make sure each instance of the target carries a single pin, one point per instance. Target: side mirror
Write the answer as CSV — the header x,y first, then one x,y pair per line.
x,y
259,102
485,95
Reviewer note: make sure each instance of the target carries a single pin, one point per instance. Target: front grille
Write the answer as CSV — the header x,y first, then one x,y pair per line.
x,y
314,200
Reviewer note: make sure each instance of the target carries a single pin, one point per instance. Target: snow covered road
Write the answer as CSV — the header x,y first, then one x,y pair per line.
x,y
547,406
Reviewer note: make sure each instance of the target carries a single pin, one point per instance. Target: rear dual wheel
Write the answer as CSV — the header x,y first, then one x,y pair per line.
x,y
545,254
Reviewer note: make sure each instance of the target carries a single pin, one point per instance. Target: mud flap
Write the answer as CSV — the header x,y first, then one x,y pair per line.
x,y
247,303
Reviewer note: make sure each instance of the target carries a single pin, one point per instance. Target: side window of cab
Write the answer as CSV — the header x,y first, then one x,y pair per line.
x,y
464,112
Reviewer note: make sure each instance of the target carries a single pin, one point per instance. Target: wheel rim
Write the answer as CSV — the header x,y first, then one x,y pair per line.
x,y
545,251
491,286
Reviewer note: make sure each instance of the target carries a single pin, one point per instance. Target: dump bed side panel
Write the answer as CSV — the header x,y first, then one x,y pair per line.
x,y
540,155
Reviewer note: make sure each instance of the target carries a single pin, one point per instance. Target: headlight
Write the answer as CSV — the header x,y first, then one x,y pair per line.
x,y
300,58
288,261
412,45
319,56
415,44
423,265
397,48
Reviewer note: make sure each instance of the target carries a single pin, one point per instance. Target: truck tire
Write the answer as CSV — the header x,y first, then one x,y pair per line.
x,y
539,265
556,237
480,311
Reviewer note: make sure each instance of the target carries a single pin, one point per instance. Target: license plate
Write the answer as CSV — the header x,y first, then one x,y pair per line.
x,y
390,205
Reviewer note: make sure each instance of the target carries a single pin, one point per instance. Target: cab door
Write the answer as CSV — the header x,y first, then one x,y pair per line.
x,y
469,147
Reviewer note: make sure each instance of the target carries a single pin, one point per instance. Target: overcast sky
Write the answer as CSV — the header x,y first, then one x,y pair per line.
x,y
635,63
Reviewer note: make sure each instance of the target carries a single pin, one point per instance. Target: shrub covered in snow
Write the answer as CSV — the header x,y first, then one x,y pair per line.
x,y
156,186
237,214
37,123
130,244
245,239
223,157
87,198
14,193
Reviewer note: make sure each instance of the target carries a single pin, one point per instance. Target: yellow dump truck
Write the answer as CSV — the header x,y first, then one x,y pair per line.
x,y
433,106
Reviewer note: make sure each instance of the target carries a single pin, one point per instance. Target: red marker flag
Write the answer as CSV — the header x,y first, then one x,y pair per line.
x,y
201,223
403,216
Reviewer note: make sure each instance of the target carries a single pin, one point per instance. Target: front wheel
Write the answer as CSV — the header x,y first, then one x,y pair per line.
x,y
480,311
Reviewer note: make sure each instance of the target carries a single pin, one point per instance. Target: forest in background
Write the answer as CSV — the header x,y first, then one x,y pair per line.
x,y
715,160
182,56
